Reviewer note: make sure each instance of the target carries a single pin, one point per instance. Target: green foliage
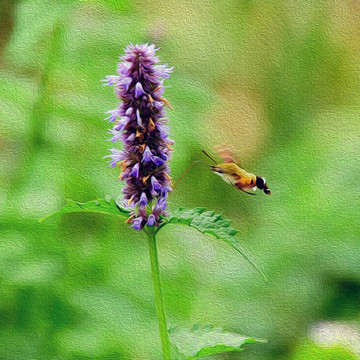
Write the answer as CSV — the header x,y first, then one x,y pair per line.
x,y
290,71
103,206
206,340
210,223
311,351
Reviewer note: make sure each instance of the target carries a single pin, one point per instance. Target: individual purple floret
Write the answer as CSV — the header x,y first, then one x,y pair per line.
x,y
139,122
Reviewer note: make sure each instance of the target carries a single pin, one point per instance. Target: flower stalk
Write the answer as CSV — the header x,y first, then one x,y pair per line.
x,y
159,295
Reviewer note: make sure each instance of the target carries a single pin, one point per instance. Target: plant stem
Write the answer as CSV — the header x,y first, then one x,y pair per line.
x,y
159,296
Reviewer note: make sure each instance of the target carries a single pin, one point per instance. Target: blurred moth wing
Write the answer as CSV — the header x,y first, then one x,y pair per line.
x,y
226,154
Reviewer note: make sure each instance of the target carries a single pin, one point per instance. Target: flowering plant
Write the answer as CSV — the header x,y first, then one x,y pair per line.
x,y
139,122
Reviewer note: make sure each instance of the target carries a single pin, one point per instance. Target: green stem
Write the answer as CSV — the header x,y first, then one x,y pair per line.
x,y
159,296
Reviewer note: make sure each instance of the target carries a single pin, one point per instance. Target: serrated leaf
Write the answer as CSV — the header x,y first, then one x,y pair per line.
x,y
206,340
103,206
210,223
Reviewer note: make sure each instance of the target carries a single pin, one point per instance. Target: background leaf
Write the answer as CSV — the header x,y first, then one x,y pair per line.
x,y
104,206
206,340
208,222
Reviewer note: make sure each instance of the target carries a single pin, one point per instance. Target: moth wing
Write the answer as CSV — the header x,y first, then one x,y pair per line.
x,y
226,154
230,179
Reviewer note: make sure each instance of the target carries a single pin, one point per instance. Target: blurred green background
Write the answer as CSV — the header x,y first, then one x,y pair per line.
x,y
276,80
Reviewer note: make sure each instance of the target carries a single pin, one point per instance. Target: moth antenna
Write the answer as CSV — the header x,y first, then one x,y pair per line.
x,y
195,162
209,156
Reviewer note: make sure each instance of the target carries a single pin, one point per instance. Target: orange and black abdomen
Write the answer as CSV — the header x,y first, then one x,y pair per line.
x,y
245,183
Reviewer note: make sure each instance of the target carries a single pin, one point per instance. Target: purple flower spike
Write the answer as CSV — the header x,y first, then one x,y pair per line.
x,y
139,90
138,118
158,161
165,190
126,83
135,170
161,204
113,116
140,123
147,155
151,220
143,200
163,70
159,104
116,135
111,80
155,184
116,156
137,223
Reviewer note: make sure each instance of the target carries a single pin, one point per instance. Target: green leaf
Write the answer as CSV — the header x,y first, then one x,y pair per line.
x,y
206,340
210,223
103,206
